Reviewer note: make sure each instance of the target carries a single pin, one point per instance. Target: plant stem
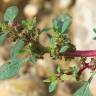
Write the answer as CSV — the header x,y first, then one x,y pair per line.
x,y
86,65
80,53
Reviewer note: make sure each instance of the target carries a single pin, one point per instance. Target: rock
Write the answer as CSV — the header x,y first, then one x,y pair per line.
x,y
64,3
30,10
21,87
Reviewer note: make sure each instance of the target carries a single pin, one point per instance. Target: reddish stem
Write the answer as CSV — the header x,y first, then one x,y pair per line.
x,y
80,53
86,65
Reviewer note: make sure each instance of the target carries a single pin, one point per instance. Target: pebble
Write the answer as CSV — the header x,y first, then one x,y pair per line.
x,y
30,10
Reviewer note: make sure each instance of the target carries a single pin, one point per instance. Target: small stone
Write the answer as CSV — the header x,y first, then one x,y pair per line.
x,y
30,10
6,1
64,3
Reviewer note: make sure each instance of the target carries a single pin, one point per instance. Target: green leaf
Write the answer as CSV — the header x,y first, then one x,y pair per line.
x,y
63,49
83,91
32,59
3,37
17,48
10,13
34,22
52,86
94,30
64,77
52,46
21,52
58,69
94,38
11,69
52,78
46,81
66,24
45,30
29,24
74,69
62,23
52,43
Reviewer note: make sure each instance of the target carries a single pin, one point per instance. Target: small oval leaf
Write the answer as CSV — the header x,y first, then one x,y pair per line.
x,y
17,48
52,86
64,77
11,69
3,37
32,59
62,23
63,49
10,13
